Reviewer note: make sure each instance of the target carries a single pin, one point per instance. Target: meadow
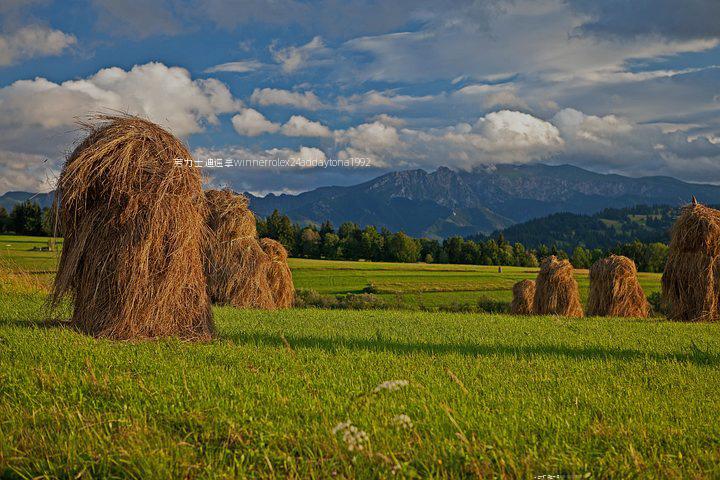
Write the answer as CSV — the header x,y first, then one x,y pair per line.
x,y
426,394
408,285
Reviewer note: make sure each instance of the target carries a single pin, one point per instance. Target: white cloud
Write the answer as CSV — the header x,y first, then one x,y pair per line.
x,y
243,66
25,172
33,41
373,100
252,123
498,137
299,126
495,95
590,129
528,37
167,95
294,58
273,96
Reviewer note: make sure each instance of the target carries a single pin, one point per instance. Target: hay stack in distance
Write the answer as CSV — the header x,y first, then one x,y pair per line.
x,y
523,298
691,279
615,290
133,223
235,264
556,290
279,274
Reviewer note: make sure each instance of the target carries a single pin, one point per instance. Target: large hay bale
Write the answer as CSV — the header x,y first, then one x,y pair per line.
x,y
691,279
133,222
523,298
556,290
279,274
235,264
615,290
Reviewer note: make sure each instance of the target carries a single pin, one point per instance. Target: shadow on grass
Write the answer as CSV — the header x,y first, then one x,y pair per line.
x,y
695,355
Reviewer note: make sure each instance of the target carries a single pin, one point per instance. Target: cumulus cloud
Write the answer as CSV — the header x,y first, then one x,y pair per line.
x,y
252,123
39,116
377,140
243,66
274,96
498,137
33,41
299,126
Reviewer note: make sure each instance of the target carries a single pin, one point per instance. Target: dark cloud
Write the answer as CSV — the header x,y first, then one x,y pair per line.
x,y
688,19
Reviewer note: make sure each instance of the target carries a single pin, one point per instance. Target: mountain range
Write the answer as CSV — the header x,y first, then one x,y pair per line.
x,y
449,202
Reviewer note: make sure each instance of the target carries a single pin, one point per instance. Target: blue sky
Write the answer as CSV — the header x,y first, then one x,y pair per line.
x,y
613,86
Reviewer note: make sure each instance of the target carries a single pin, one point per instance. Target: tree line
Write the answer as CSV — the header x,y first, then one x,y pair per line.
x,y
26,218
350,242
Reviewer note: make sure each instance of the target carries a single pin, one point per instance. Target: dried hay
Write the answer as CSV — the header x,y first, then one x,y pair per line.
x,y
235,265
523,298
133,222
556,290
615,290
279,274
691,279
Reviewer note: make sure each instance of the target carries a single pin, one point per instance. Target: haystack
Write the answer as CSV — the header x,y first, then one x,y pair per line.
x,y
615,290
235,265
556,291
279,275
523,298
133,222
691,280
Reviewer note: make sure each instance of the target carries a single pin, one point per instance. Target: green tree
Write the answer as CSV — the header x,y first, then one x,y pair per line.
x,y
310,242
402,248
26,219
4,220
371,244
326,227
330,245
581,257
280,228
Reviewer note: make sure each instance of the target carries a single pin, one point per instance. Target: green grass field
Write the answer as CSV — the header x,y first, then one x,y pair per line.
x,y
412,285
479,395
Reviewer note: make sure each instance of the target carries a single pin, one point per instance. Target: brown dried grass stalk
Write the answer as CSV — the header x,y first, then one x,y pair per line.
x,y
133,222
691,279
523,298
615,290
235,264
556,290
279,274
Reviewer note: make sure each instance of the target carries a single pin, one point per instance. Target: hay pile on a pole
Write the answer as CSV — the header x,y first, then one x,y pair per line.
x,y
556,291
615,290
235,265
279,274
523,298
133,222
691,280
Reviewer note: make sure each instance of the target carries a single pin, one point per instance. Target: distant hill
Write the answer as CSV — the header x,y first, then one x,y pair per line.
x,y
10,199
447,202
604,229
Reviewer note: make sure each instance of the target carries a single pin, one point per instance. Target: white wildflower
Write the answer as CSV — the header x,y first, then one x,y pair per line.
x,y
354,438
391,385
341,426
402,421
